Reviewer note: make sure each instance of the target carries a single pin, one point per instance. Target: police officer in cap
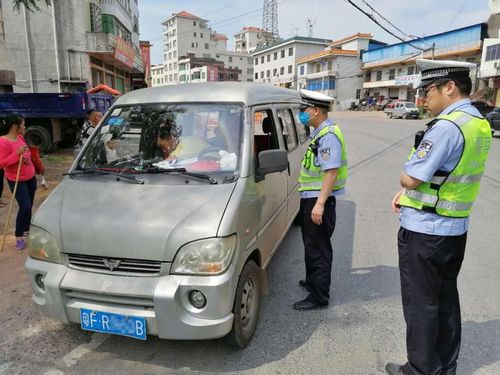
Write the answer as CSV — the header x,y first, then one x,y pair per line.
x,y
440,183
323,177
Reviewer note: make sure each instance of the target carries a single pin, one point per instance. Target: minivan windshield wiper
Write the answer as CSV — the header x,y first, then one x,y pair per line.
x,y
89,171
182,171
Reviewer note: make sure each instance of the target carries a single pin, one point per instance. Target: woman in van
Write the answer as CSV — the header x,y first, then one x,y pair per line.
x,y
13,147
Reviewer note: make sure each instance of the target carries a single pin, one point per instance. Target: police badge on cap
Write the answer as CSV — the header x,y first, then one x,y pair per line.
x,y
433,70
315,99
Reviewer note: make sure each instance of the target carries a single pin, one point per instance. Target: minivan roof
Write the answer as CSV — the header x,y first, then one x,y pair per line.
x,y
246,92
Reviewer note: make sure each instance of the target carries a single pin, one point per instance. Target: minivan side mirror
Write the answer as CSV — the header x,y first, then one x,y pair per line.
x,y
271,161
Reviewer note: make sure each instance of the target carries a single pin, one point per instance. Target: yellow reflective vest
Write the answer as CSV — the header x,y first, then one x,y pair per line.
x,y
311,176
452,194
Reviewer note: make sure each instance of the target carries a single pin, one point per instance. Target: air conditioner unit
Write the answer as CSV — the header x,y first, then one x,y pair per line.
x,y
496,65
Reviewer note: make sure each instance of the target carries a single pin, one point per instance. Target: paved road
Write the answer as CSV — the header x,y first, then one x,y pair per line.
x,y
361,330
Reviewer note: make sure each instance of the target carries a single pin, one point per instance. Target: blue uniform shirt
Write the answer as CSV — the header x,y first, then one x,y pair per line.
x,y
443,149
329,156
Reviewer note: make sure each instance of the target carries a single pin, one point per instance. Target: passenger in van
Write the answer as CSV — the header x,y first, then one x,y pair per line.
x,y
110,142
322,177
166,141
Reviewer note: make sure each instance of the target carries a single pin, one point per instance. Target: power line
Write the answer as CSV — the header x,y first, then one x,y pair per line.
x,y
383,27
459,10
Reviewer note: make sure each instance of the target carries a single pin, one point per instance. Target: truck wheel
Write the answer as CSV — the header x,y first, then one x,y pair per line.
x,y
38,135
405,116
246,307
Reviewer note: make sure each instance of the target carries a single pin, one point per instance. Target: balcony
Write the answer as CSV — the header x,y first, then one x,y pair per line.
x,y
325,73
103,47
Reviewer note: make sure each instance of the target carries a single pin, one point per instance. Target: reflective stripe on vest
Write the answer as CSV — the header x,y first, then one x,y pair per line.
x,y
311,176
454,193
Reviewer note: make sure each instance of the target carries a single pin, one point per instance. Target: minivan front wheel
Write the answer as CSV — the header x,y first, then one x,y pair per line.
x,y
246,306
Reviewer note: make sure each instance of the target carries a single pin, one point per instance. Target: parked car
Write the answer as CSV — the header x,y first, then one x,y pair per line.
x,y
404,110
176,247
494,119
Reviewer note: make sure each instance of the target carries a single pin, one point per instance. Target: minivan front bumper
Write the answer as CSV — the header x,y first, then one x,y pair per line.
x,y
163,301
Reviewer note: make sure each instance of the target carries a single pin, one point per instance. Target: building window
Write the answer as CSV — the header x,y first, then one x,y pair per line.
x,y
368,77
269,57
201,35
275,56
206,45
194,24
174,43
268,73
256,76
230,59
206,55
221,76
301,70
392,73
358,94
192,45
95,19
379,75
262,74
318,68
175,65
321,84
202,75
170,55
290,69
262,59
175,54
249,70
282,70
330,65
256,61
290,51
170,66
282,53
411,70
275,72
194,34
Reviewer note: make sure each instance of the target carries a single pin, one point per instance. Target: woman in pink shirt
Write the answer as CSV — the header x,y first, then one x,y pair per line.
x,y
12,148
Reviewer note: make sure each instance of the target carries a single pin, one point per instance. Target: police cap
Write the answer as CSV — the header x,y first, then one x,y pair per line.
x,y
434,70
314,99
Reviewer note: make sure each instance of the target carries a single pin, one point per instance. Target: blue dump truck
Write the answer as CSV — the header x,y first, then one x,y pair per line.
x,y
53,119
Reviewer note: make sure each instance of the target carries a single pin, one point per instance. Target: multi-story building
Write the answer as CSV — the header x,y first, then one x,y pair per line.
x,y
50,52
390,71
276,63
490,60
201,69
188,35
336,71
247,40
157,75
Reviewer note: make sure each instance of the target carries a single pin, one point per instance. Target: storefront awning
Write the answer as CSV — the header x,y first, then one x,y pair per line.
x,y
103,87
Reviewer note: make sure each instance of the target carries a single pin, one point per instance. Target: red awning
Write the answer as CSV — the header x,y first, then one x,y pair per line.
x,y
103,87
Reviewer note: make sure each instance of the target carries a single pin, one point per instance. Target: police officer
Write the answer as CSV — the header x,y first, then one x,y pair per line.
x,y
323,176
440,183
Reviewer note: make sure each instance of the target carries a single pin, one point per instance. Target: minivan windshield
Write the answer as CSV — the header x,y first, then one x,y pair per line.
x,y
410,105
154,138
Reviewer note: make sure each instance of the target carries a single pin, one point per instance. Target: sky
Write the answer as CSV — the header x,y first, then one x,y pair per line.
x,y
332,19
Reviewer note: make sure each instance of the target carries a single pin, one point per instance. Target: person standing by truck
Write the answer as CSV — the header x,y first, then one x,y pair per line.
x,y
13,147
89,126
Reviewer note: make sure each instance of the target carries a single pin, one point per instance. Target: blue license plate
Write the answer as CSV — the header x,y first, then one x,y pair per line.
x,y
117,324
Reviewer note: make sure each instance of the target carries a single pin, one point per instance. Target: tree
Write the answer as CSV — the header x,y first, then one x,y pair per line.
x,y
31,5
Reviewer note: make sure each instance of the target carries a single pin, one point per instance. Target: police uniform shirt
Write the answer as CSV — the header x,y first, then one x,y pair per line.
x,y
329,156
440,149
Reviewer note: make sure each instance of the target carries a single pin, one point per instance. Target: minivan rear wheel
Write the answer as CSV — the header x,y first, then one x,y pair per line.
x,y
246,306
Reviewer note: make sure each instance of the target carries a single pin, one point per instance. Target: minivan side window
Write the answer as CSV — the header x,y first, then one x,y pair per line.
x,y
264,129
303,131
288,129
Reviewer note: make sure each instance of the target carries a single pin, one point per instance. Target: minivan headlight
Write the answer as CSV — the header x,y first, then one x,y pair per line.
x,y
43,246
205,257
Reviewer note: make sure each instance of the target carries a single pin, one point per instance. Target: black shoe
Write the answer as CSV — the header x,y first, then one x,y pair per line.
x,y
308,305
305,285
394,369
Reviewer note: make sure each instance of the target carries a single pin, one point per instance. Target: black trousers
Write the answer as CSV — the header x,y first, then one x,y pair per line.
x,y
429,267
1,182
318,249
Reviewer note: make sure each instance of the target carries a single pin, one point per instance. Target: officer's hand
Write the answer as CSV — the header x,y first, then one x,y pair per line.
x,y
395,202
317,214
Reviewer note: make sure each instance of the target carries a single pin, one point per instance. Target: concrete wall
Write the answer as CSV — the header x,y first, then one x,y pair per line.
x,y
30,36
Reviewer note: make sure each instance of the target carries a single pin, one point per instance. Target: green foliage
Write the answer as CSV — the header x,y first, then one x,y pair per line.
x,y
488,94
31,5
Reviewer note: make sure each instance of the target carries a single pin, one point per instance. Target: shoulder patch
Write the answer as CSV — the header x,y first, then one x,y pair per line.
x,y
325,153
424,149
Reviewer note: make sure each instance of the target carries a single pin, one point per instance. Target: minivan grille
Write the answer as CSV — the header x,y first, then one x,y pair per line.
x,y
114,265
111,299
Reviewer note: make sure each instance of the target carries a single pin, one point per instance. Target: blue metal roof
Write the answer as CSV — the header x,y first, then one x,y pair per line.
x,y
463,38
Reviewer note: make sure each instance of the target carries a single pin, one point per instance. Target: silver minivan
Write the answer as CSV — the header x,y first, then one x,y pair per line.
x,y
170,214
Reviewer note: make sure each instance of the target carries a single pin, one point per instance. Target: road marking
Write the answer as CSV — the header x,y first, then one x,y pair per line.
x,y
53,372
72,357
